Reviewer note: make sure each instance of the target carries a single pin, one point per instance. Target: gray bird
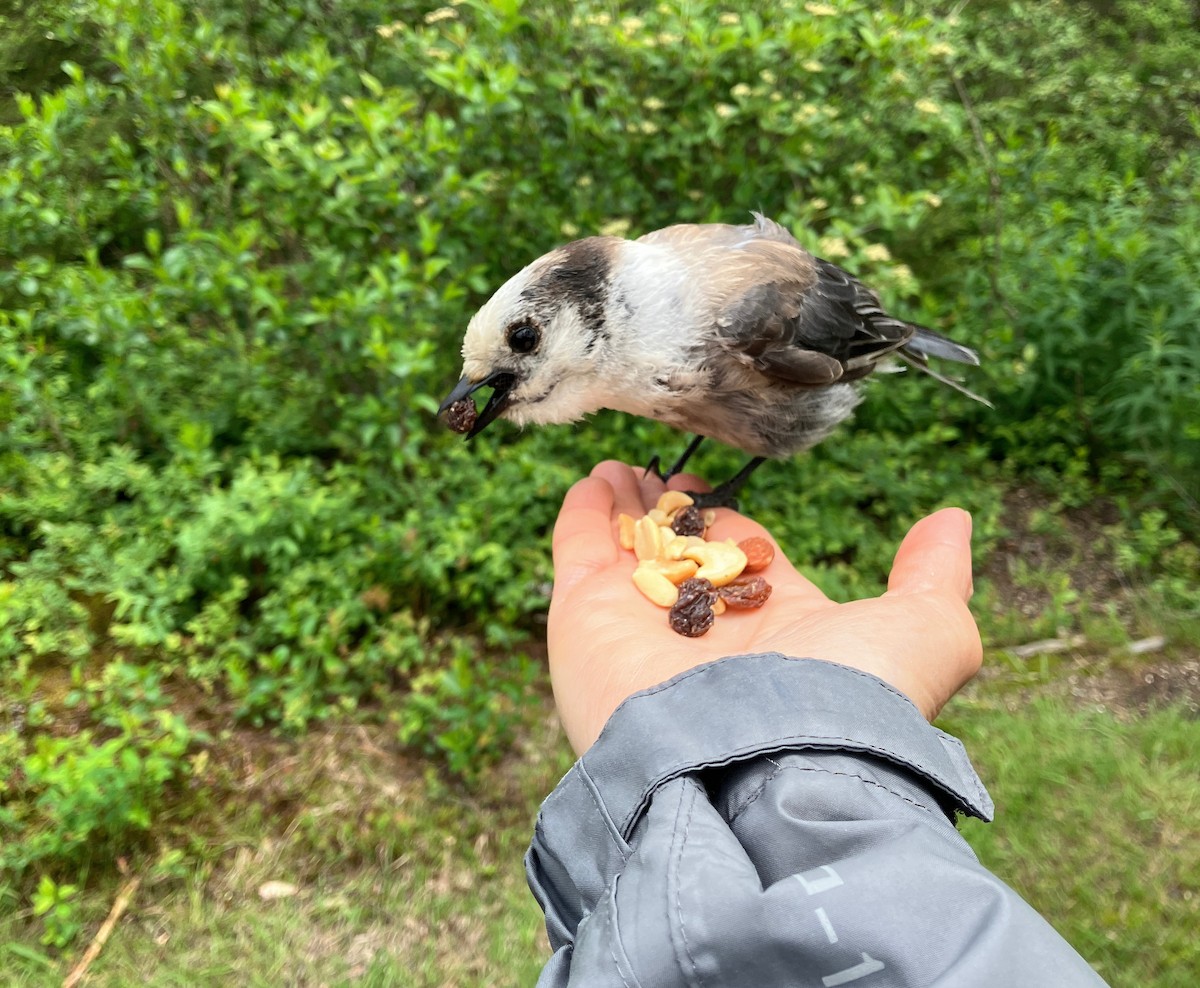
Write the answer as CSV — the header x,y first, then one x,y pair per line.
x,y
732,332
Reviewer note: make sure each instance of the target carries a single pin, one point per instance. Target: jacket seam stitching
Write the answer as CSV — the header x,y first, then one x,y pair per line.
x,y
759,790
693,975
615,943
794,741
610,825
612,953
829,771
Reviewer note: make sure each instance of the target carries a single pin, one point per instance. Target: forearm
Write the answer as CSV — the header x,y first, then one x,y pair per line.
x,y
770,821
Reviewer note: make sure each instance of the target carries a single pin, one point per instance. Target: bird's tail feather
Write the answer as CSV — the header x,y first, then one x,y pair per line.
x,y
927,343
919,363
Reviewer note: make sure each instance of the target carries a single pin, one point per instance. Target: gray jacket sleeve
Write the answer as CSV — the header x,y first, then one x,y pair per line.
x,y
766,821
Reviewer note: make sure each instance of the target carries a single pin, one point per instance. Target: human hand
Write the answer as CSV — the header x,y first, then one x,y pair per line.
x,y
606,641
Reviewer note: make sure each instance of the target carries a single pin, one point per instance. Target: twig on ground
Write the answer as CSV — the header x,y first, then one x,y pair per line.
x,y
120,904
1047,646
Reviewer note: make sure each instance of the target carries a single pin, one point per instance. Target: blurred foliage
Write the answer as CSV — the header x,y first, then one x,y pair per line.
x,y
1086,191
242,241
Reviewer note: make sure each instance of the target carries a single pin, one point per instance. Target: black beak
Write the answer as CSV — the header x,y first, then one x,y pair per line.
x,y
501,383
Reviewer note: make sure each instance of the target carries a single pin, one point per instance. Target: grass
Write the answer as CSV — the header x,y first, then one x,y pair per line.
x,y
401,879
419,927
1097,826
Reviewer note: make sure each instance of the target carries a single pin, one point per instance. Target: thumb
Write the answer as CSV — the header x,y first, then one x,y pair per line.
x,y
935,556
583,534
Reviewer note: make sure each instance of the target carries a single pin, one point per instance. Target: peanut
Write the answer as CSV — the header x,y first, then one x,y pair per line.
x,y
759,553
625,524
675,547
675,570
669,561
655,587
647,538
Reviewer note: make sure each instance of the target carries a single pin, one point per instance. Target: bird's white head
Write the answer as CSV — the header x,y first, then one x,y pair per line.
x,y
539,340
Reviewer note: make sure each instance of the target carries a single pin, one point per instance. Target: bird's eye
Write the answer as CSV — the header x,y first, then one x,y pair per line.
x,y
523,337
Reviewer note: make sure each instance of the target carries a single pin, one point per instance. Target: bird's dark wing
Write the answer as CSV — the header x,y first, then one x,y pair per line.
x,y
801,319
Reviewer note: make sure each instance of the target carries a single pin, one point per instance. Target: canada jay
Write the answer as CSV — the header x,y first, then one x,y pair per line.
x,y
732,332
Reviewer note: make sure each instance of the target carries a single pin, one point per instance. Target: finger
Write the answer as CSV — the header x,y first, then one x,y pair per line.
x,y
583,534
935,556
689,482
651,487
626,485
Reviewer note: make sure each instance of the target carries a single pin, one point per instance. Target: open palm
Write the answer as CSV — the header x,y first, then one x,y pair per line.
x,y
606,641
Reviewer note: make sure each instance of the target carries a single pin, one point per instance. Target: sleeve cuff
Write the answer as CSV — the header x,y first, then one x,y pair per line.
x,y
727,711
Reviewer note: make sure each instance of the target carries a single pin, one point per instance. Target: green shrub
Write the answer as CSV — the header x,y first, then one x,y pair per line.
x,y
81,797
465,713
1077,238
53,903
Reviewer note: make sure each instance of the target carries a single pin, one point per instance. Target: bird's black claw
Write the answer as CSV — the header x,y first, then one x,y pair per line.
x,y
714,499
654,467
725,495
679,464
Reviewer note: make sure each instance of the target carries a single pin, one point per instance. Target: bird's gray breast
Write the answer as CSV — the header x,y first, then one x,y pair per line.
x,y
756,414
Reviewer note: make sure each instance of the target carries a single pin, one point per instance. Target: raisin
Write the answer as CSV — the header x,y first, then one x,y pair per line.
x,y
696,586
688,521
461,415
692,615
759,553
745,593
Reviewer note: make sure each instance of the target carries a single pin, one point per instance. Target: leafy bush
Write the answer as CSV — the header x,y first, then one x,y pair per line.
x,y
230,306
85,795
465,713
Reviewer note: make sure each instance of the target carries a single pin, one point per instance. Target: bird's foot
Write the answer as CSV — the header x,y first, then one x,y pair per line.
x,y
655,464
716,498
725,495
655,467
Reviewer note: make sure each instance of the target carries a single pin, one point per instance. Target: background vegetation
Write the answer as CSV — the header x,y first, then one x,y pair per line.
x,y
240,242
